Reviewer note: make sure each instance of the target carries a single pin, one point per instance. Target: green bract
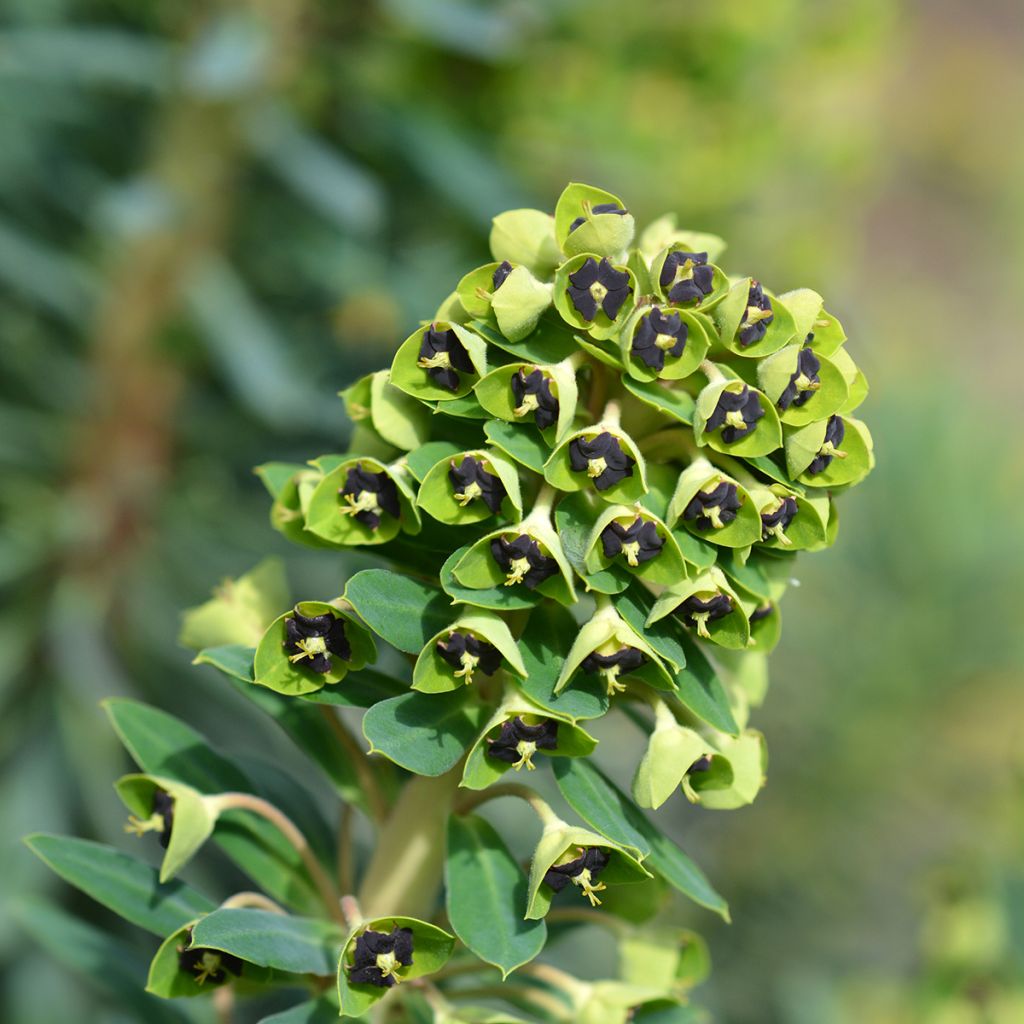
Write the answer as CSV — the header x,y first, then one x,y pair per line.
x,y
576,492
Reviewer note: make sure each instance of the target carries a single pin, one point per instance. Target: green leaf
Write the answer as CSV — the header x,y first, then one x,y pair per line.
x,y
674,402
486,896
403,611
397,417
294,944
607,234
700,689
426,733
121,883
423,459
234,660
601,804
524,443
316,1011
527,237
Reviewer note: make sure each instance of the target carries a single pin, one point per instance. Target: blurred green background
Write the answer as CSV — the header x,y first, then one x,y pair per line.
x,y
215,215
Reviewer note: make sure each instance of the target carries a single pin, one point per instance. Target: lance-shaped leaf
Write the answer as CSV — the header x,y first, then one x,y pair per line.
x,y
397,417
469,487
360,500
424,733
390,950
671,401
790,521
665,231
634,542
814,326
516,732
714,506
312,646
710,606
595,294
486,896
687,278
590,220
439,362
603,458
671,751
662,342
609,647
524,443
314,1011
477,642
542,394
527,237
404,611
736,419
802,385
563,846
734,775
834,453
668,959
182,817
752,322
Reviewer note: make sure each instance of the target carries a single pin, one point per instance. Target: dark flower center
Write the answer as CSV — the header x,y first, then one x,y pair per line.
x,y
756,317
698,611
601,458
368,495
466,653
639,542
208,965
714,508
500,273
518,742
532,392
581,872
835,431
442,355
737,413
311,639
775,522
804,382
702,764
686,277
598,284
598,208
658,335
378,955
523,561
471,481
612,665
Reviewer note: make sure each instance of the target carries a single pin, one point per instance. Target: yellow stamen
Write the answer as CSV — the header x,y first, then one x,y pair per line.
x,y
526,750
469,494
364,501
665,341
517,570
140,826
387,964
207,967
595,467
469,664
530,403
309,647
631,551
590,890
439,359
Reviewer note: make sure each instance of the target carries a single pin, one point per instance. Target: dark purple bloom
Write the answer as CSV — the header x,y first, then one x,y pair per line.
x,y
702,764
829,450
598,208
470,480
316,638
523,561
208,965
698,612
367,495
686,277
804,382
774,523
756,317
378,955
443,356
581,872
737,413
658,335
532,392
467,653
715,508
601,458
163,804
639,542
598,284
762,612
500,273
611,666
517,742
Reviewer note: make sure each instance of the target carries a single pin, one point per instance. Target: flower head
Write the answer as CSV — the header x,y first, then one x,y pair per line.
x,y
581,871
443,356
598,284
686,277
775,520
470,481
517,742
378,955
714,507
756,317
804,382
702,764
368,495
658,335
598,208
532,392
467,653
160,820
737,413
613,664
500,273
834,434
639,542
316,638
601,458
698,611
761,612
523,561
208,965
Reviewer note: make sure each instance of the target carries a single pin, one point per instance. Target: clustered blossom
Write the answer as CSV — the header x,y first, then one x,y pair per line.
x,y
737,413
160,820
687,277
209,965
501,271
639,542
312,639
804,381
598,285
775,521
659,335
581,872
518,742
471,481
523,561
613,664
756,317
532,392
368,495
829,450
601,458
444,357
698,611
598,208
715,508
467,653
378,956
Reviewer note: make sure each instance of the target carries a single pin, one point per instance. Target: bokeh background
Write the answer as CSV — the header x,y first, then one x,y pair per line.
x,y
213,215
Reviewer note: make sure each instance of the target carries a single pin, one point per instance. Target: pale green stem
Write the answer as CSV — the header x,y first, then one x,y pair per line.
x,y
540,806
255,900
712,372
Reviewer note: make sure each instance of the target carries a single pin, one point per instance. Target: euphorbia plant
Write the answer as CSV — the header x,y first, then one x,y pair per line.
x,y
585,479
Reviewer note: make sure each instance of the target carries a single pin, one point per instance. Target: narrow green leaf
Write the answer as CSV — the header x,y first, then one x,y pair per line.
x,y
701,690
316,1011
522,442
233,660
676,402
403,611
487,896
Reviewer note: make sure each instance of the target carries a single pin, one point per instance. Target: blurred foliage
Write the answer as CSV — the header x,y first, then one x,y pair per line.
x,y
214,214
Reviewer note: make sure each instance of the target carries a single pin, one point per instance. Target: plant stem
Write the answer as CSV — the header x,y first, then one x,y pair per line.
x,y
612,413
378,805
325,886
516,789
252,899
712,372
346,866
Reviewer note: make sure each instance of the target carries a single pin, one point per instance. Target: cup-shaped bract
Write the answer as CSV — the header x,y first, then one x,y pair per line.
x,y
439,361
595,294
478,643
733,418
636,541
541,394
832,453
791,520
814,326
526,237
180,969
803,385
672,750
397,418
734,773
688,278
590,220
714,506
508,294
751,321
469,487
710,606
662,342
603,458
